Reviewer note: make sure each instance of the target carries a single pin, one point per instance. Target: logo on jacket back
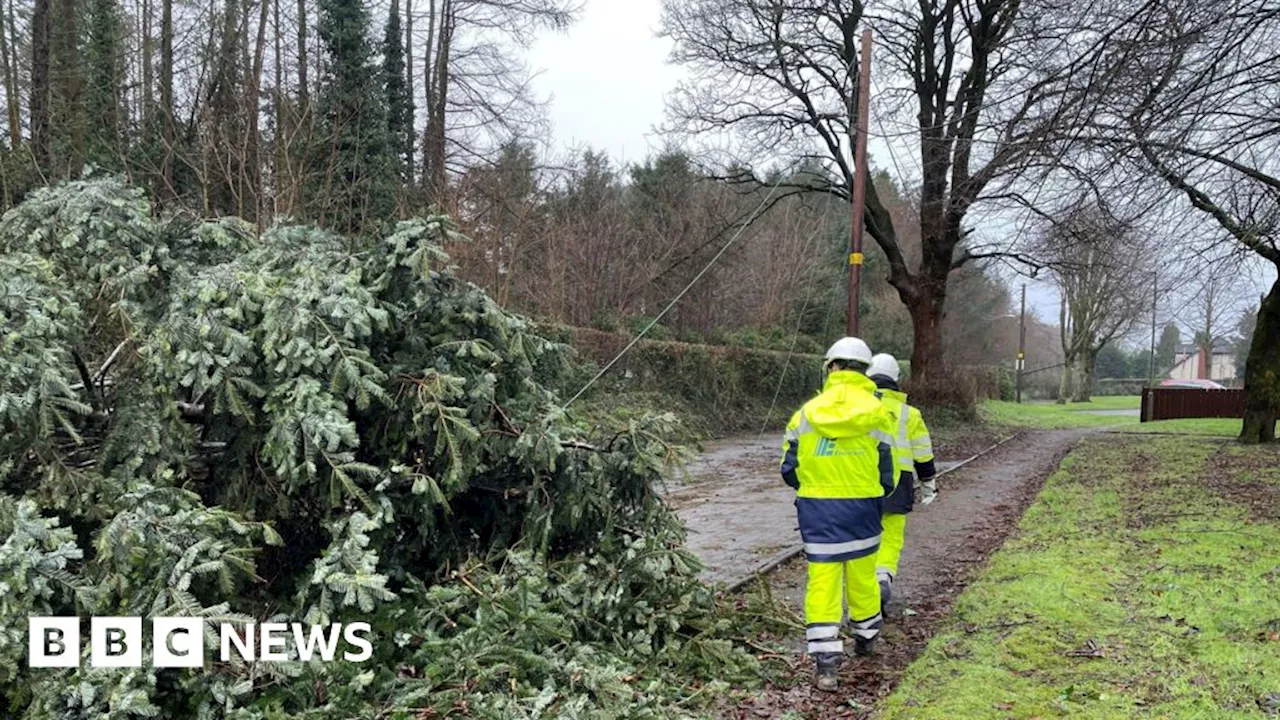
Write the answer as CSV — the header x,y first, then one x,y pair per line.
x,y
827,448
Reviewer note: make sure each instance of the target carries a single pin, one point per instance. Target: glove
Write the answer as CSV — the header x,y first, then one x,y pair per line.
x,y
928,491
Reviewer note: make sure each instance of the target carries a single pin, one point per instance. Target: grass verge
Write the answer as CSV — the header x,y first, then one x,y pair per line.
x,y
1046,416
1211,427
1143,583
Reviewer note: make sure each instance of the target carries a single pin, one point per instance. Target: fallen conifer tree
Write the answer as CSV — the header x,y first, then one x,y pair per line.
x,y
302,427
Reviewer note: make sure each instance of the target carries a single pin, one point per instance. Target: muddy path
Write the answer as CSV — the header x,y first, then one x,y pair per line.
x,y
741,518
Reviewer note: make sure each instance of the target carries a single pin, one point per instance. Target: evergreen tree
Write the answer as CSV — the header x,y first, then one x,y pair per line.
x,y
1167,350
1113,362
104,60
352,186
399,103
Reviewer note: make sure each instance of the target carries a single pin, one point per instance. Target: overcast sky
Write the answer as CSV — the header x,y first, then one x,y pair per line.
x,y
607,79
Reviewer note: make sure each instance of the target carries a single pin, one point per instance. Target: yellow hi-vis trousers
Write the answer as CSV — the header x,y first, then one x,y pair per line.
x,y
892,536
830,585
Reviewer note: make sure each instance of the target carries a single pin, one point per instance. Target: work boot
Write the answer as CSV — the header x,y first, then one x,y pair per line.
x,y
863,647
826,671
886,593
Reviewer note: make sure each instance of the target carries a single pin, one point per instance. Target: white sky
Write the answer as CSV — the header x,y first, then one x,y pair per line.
x,y
607,79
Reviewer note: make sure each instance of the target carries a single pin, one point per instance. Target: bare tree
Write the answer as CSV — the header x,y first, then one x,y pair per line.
x,y
1098,261
1214,301
1191,101
984,80
476,94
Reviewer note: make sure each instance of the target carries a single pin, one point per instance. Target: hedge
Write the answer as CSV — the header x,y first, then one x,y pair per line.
x,y
732,388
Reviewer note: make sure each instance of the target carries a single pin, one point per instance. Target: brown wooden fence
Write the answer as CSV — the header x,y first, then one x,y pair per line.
x,y
1168,403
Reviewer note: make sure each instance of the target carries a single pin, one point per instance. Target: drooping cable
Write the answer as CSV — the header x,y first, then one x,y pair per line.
x,y
640,335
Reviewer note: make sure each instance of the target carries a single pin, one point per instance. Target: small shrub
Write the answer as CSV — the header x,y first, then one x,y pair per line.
x,y
949,391
606,321
640,322
1008,383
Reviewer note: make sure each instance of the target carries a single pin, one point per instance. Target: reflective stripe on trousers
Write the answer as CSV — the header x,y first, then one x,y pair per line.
x,y
868,628
833,585
824,638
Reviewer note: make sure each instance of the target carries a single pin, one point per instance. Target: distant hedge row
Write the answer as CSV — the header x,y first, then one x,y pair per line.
x,y
732,388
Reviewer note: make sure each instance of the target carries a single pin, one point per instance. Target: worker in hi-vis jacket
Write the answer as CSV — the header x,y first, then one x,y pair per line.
x,y
913,453
837,454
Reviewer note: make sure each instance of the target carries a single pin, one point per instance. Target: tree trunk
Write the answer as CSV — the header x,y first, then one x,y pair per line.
x,y
67,117
434,143
1065,386
40,84
1262,373
408,70
428,77
147,64
10,81
302,53
254,141
222,175
168,126
926,332
1067,341
1084,388
279,161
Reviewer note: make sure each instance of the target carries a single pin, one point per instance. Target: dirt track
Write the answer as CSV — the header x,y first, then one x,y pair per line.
x,y
738,511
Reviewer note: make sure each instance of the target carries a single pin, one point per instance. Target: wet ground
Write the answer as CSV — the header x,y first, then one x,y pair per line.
x,y
740,516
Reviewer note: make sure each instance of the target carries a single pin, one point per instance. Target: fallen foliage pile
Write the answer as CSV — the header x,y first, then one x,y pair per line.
x,y
309,428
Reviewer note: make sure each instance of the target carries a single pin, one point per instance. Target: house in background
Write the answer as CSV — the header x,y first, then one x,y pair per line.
x,y
1190,363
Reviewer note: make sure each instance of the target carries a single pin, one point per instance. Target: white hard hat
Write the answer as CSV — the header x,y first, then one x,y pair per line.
x,y
849,348
886,365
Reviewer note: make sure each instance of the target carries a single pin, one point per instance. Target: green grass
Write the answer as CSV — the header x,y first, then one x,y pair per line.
x,y
1041,415
1110,402
1213,427
1143,583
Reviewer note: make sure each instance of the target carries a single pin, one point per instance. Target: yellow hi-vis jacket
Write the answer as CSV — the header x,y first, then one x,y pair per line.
x,y
912,450
838,455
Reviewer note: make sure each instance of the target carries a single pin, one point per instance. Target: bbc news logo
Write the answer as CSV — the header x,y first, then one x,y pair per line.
x,y
178,642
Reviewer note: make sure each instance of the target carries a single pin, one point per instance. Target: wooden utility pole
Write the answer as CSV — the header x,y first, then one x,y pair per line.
x,y
858,138
1022,346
